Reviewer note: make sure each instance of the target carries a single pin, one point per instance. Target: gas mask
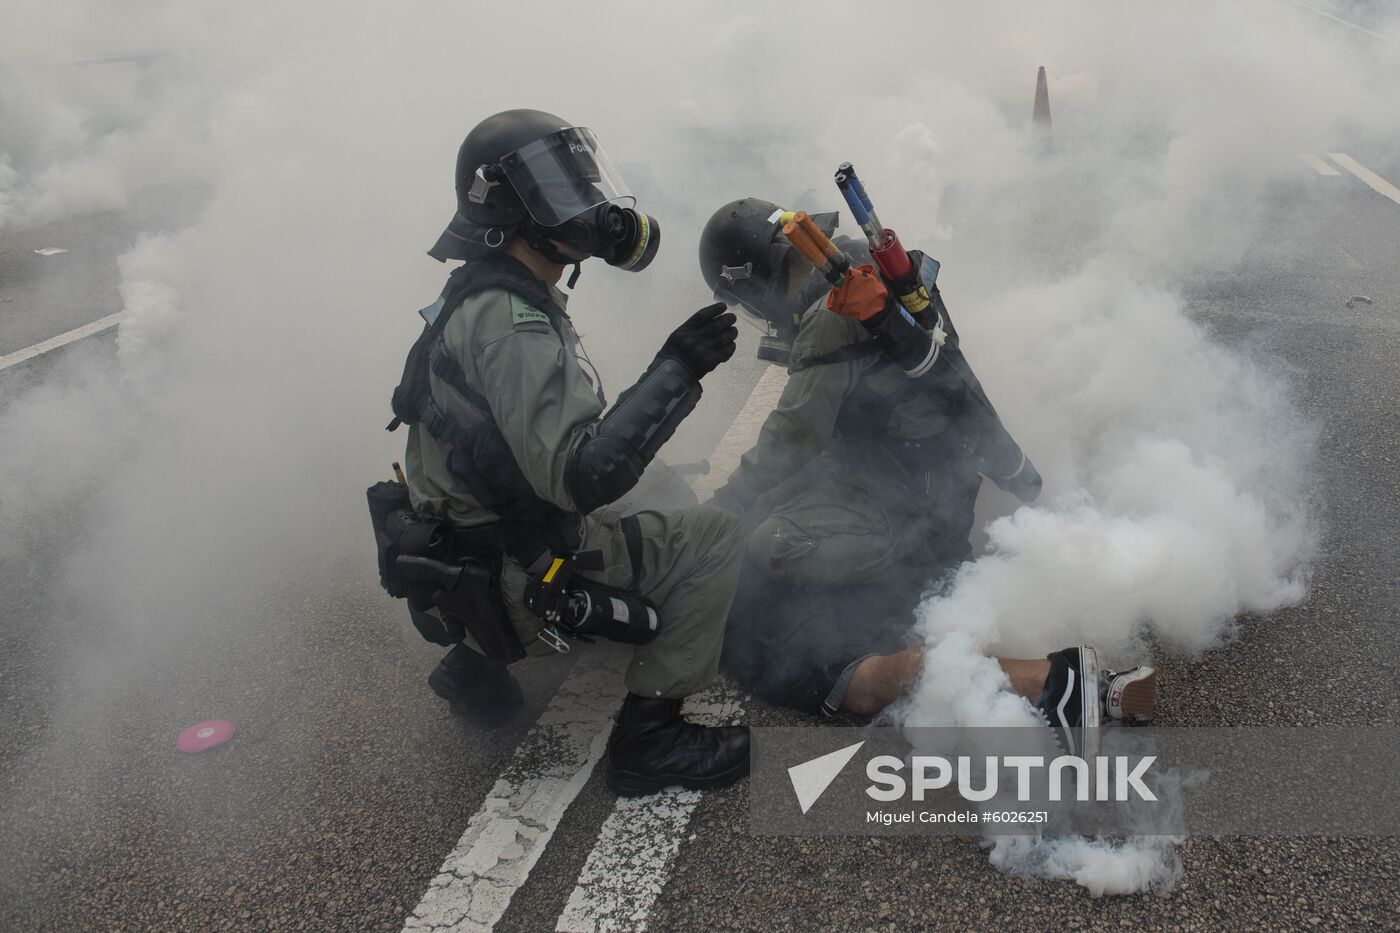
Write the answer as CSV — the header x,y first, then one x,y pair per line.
x,y
620,236
574,195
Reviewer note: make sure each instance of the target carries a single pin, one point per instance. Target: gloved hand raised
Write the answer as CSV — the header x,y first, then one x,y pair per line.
x,y
704,341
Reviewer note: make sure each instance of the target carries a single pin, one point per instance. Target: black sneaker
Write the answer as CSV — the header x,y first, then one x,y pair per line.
x,y
1071,702
477,688
1068,705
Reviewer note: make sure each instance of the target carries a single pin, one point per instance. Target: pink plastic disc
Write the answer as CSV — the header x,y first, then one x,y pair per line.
x,y
204,735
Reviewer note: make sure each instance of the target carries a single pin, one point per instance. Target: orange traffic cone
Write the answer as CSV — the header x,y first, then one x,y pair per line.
x,y
1040,116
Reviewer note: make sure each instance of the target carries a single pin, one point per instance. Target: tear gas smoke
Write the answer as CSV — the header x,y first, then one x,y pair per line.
x,y
1180,493
219,463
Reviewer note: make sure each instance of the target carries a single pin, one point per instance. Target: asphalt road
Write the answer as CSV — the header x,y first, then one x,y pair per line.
x,y
42,296
349,783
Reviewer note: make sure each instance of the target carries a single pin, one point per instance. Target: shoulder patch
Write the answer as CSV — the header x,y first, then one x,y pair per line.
x,y
521,312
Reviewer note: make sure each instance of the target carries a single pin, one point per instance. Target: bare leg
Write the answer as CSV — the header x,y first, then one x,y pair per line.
x,y
1027,676
881,680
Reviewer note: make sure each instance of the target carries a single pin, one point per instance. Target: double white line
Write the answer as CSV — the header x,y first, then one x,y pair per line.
x,y
630,862
1376,182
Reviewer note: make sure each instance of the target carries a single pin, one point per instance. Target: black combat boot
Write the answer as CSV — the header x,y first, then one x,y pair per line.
x,y
477,688
653,747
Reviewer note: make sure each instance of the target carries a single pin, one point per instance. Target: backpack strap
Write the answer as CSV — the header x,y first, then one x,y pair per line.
x,y
412,401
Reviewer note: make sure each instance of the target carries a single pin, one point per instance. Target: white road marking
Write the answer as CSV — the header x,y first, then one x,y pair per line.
x,y
1344,22
1377,183
506,836
628,867
50,251
629,864
62,340
743,431
1316,164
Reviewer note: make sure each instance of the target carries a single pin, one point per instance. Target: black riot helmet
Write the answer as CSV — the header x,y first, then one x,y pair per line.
x,y
746,261
529,173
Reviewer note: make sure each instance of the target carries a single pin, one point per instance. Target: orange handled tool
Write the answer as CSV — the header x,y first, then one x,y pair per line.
x,y
810,250
814,233
816,247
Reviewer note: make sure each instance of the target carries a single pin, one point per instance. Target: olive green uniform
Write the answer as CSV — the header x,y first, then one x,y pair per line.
x,y
545,399
859,487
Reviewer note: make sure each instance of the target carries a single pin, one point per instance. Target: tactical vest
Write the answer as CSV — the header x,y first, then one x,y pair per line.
x,y
478,453
457,570
865,414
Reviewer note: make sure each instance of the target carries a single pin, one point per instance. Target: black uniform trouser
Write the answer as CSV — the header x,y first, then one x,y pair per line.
x,y
836,573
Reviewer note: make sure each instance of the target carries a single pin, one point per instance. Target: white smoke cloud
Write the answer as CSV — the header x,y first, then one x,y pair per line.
x,y
241,418
1178,471
1128,866
1178,477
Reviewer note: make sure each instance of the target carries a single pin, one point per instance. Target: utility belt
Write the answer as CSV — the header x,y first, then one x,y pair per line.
x,y
451,578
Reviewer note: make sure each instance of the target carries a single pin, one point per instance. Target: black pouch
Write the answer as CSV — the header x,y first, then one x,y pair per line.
x,y
449,594
464,591
474,605
385,500
449,601
432,625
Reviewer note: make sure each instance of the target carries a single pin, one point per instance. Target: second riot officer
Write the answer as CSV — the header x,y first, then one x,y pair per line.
x,y
509,545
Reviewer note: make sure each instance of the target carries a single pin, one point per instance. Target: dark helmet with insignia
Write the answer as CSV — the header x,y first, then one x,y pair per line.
x,y
530,173
746,261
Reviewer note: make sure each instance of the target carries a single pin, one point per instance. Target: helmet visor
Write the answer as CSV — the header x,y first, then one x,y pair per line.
x,y
563,175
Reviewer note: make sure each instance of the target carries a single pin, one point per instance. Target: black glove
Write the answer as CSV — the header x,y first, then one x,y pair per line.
x,y
704,341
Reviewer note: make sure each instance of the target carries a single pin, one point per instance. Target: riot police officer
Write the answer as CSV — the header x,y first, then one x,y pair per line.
x,y
514,457
885,484
858,493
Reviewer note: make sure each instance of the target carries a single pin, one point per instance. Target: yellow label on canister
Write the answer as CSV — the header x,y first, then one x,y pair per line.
x,y
915,301
553,569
